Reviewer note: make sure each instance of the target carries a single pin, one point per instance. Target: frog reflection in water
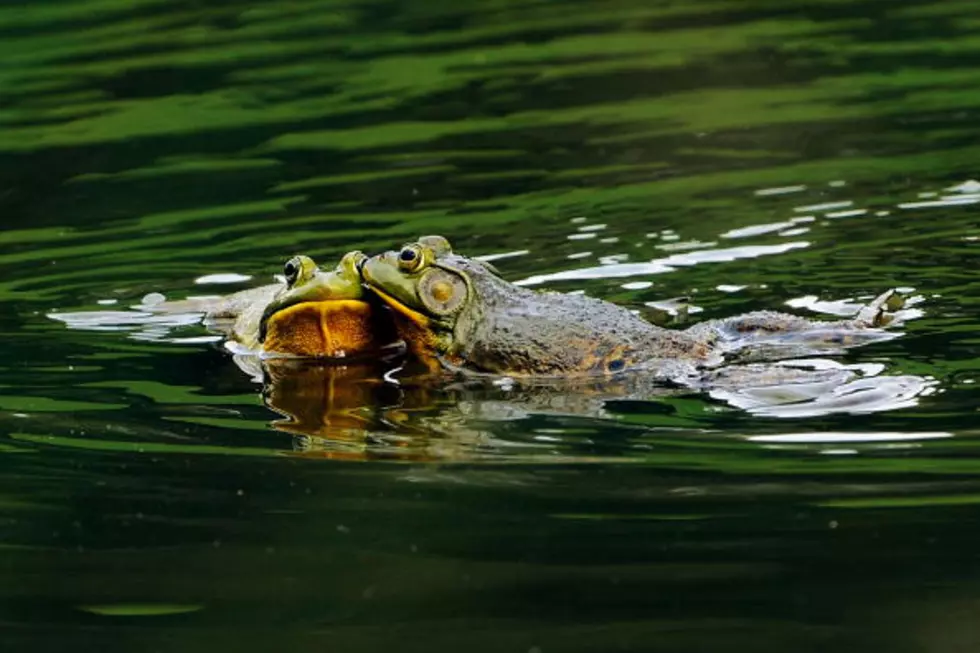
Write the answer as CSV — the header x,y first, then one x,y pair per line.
x,y
457,313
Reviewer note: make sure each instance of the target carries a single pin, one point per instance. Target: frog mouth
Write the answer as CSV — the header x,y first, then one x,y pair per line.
x,y
413,315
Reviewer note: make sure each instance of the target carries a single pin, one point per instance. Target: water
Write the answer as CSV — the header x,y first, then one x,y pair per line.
x,y
750,155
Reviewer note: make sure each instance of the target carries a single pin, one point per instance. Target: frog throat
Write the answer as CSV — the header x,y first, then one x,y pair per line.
x,y
423,335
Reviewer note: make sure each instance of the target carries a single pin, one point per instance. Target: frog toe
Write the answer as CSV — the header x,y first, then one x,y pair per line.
x,y
880,311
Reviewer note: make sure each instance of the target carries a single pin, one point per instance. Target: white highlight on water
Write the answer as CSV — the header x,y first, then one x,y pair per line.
x,y
503,255
223,277
780,190
826,206
636,285
822,438
662,265
950,201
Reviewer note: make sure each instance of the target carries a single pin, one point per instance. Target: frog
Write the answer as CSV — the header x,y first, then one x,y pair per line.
x,y
312,314
458,314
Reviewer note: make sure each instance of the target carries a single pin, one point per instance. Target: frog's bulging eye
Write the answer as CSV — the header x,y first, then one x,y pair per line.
x,y
291,270
441,292
410,258
352,262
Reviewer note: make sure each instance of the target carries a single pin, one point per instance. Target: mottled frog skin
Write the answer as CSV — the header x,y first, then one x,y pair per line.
x,y
456,312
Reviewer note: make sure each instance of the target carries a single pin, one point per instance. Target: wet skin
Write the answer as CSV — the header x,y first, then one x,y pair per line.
x,y
457,312
322,313
315,313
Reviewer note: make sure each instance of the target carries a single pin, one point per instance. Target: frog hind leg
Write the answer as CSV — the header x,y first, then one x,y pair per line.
x,y
770,335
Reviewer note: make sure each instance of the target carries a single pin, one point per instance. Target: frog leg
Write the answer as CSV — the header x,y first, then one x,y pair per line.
x,y
767,335
790,379
758,325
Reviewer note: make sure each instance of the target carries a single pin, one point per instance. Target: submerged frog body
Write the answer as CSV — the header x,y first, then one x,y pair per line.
x,y
457,312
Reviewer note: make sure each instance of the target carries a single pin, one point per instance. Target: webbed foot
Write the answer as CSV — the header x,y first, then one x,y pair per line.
x,y
881,310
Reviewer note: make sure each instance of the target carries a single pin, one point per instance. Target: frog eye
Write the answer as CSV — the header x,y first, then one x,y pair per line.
x,y
410,258
291,270
441,292
352,262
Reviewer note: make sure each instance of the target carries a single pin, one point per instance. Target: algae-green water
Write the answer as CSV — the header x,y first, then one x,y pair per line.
x,y
761,154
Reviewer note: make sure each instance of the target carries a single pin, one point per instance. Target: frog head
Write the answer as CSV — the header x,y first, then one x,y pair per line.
x,y
437,296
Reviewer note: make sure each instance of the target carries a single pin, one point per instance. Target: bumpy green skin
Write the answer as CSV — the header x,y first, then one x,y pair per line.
x,y
506,329
513,329
502,328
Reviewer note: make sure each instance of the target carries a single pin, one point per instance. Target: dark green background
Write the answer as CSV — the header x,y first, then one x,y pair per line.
x,y
146,504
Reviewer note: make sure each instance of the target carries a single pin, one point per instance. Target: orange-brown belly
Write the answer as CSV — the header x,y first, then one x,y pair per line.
x,y
334,329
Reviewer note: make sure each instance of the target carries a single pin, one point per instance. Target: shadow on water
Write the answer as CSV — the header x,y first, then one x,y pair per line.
x,y
745,155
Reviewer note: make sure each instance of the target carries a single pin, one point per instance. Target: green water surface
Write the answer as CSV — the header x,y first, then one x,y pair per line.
x,y
747,155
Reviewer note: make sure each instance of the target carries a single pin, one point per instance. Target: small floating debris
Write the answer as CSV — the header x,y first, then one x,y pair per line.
x,y
592,227
636,285
581,236
725,287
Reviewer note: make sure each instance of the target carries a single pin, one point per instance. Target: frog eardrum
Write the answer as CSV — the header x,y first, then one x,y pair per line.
x,y
442,292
